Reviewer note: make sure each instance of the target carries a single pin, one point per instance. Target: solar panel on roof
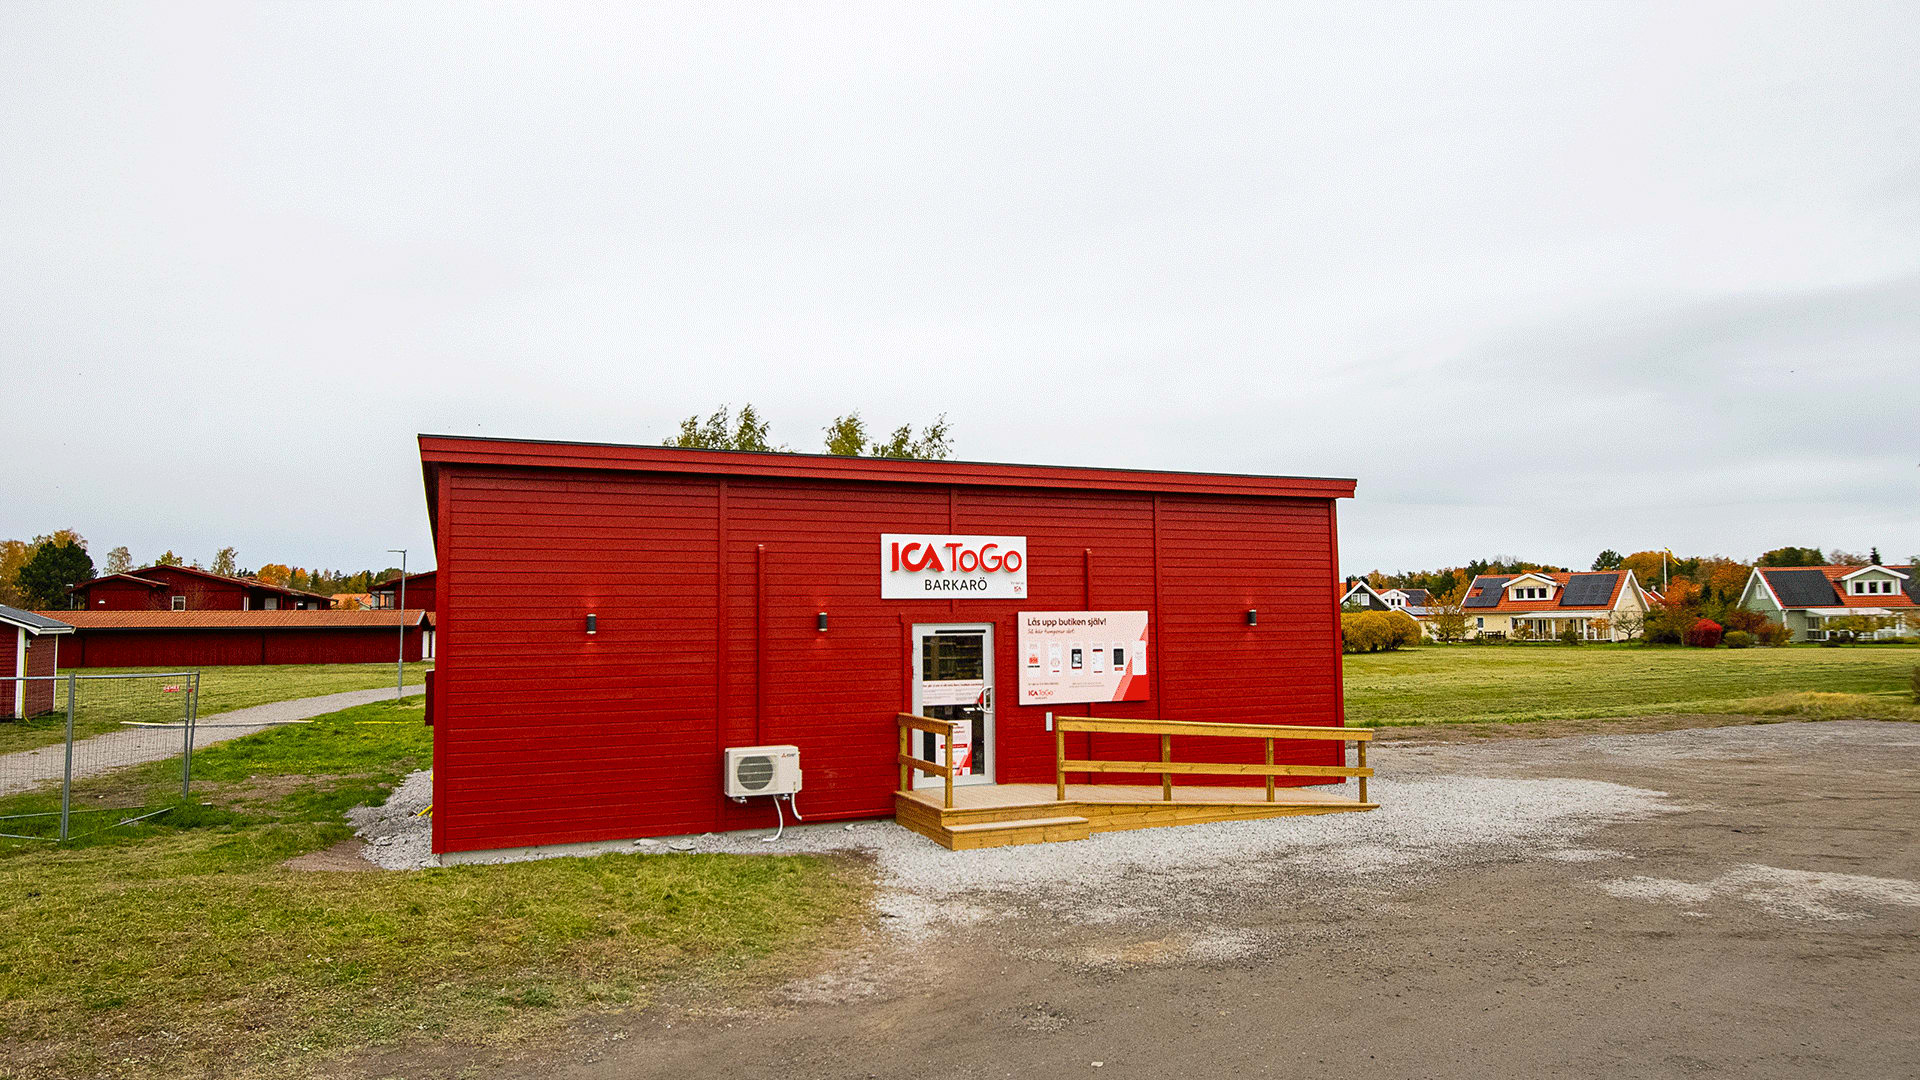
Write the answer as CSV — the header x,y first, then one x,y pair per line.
x,y
1803,588
1486,592
1588,590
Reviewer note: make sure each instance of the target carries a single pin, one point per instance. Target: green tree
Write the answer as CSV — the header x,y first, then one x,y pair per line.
x,y
934,443
847,435
1607,560
226,561
723,431
119,560
168,558
1792,556
44,579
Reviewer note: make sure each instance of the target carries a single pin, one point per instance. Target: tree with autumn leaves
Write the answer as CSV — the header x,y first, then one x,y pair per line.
x,y
1447,614
1674,613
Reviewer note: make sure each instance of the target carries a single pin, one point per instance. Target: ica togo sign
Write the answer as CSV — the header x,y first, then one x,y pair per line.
x,y
1082,656
934,566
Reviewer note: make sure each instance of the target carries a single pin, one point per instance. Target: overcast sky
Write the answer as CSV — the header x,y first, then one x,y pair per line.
x,y
1544,278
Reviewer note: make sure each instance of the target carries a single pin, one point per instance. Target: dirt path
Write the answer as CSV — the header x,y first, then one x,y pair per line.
x,y
1732,900
28,769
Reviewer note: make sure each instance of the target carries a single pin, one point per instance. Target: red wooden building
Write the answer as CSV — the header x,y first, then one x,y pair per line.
x,y
617,616
32,641
182,588
207,638
419,591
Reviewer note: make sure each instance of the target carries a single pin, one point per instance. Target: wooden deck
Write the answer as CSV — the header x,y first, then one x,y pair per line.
x,y
996,815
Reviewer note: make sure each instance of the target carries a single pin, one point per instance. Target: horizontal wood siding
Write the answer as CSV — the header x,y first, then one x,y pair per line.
x,y
707,590
123,596
1220,558
210,648
550,735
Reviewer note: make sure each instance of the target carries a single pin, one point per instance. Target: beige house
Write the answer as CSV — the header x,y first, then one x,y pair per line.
x,y
1542,606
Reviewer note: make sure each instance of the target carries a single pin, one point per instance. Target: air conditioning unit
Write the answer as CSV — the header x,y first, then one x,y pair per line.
x,y
762,770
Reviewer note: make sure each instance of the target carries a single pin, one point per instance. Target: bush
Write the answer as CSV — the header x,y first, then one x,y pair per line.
x,y
1771,633
1737,639
1569,636
1704,634
1666,626
1377,631
1742,619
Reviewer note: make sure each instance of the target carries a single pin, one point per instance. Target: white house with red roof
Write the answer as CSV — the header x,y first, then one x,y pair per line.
x,y
1806,599
1363,595
1540,606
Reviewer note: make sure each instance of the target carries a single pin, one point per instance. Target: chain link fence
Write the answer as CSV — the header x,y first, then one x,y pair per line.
x,y
83,753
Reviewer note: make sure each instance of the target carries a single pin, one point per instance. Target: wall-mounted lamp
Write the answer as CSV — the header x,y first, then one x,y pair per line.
x,y
593,623
1253,617
820,622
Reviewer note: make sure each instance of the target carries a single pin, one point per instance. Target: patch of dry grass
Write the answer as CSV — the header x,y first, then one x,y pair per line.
x,y
1818,705
185,947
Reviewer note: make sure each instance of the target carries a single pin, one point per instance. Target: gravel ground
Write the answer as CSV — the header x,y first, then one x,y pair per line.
x,y
1443,807
28,769
397,836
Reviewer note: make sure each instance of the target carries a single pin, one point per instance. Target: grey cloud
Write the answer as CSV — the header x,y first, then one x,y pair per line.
x,y
256,249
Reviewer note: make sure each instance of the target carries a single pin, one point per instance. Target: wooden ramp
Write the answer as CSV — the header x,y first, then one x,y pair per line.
x,y
964,815
998,815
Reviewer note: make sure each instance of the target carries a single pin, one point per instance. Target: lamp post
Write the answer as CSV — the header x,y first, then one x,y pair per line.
x,y
400,663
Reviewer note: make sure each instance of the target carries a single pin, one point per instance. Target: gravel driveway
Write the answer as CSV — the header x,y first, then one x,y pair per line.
x,y
28,769
1738,901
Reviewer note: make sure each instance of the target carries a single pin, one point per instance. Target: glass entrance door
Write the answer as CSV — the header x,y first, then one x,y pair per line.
x,y
953,680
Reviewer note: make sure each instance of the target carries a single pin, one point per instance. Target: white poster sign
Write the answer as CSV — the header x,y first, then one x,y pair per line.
x,y
963,750
938,566
1069,656
953,692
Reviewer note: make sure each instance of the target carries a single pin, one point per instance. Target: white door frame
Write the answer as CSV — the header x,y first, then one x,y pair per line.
x,y
920,632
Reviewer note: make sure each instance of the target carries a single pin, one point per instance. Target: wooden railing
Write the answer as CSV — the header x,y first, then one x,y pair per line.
x,y
909,723
1168,768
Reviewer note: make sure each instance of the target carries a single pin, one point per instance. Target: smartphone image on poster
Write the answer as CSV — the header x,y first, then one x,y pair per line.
x,y
1033,657
1099,653
1119,658
1075,657
1053,657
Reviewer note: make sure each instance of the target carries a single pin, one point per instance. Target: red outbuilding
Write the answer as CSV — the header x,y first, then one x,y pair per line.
x,y
183,588
33,645
617,617
211,638
419,592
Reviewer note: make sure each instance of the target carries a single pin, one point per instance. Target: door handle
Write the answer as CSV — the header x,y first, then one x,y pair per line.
x,y
986,698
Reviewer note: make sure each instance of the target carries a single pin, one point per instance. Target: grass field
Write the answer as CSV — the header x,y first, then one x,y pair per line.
x,y
185,947
106,705
1467,684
